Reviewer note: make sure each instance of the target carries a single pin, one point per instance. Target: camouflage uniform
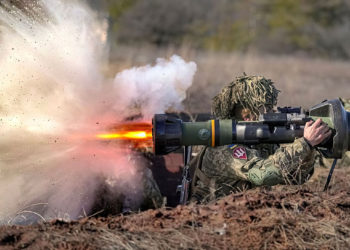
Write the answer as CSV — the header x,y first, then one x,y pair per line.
x,y
152,197
225,169
221,171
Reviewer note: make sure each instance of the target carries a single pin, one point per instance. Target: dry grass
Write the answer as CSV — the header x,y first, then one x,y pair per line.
x,y
283,217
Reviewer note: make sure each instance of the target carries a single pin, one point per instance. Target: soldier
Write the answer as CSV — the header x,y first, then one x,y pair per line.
x,y
225,169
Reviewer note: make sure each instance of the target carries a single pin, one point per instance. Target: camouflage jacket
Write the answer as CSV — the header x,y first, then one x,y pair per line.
x,y
151,196
225,169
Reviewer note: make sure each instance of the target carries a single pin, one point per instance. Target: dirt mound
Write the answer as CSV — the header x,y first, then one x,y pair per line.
x,y
281,217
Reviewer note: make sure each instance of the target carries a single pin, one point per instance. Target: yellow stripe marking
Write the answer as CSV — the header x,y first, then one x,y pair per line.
x,y
213,133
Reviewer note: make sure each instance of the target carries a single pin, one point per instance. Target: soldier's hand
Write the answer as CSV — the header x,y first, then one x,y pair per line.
x,y
316,132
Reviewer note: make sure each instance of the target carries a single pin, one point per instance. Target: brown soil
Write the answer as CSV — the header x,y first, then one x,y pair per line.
x,y
286,217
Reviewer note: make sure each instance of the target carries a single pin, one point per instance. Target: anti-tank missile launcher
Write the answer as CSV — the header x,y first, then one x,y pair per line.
x,y
169,133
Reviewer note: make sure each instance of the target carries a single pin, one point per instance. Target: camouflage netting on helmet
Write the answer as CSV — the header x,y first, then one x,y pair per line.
x,y
251,92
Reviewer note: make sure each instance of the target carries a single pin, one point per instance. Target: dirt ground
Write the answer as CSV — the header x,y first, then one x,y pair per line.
x,y
284,217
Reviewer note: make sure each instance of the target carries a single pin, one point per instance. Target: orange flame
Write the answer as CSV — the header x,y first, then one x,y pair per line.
x,y
138,134
142,135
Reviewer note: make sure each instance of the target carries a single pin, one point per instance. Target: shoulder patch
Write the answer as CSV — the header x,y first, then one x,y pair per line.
x,y
239,153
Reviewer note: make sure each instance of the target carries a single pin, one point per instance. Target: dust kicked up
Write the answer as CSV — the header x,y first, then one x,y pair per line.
x,y
53,99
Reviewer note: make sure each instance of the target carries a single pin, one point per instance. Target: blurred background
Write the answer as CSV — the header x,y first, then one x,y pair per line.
x,y
303,46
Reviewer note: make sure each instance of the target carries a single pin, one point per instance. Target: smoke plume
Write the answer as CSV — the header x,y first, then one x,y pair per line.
x,y
53,99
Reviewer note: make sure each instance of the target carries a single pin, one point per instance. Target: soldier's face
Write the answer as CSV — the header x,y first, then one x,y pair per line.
x,y
244,114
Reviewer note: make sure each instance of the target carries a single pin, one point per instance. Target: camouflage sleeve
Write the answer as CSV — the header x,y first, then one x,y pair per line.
x,y
289,164
152,197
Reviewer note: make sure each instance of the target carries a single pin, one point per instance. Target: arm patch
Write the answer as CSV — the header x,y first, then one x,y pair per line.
x,y
240,153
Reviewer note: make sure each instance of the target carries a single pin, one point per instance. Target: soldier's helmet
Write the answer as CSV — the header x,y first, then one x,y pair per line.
x,y
255,93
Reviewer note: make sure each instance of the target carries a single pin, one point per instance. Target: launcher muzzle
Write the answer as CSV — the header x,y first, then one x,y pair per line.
x,y
169,133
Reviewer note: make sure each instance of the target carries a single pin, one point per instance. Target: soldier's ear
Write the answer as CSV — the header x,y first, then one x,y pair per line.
x,y
265,109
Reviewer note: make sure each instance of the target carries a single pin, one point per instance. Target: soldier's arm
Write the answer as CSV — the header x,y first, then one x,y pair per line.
x,y
292,163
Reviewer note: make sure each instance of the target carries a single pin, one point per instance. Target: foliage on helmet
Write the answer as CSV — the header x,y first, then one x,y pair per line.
x,y
250,92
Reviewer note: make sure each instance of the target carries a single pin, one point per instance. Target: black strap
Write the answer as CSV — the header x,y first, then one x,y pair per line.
x,y
330,175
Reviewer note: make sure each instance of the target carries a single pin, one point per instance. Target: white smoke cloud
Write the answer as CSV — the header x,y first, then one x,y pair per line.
x,y
156,88
52,96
